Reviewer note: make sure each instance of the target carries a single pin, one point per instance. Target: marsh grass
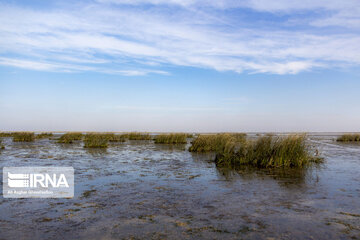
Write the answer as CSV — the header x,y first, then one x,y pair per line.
x,y
70,137
115,137
97,140
349,138
216,142
172,138
138,136
23,136
44,135
1,145
6,134
267,152
189,135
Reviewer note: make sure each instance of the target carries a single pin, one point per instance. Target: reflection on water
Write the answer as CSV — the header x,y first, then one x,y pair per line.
x,y
141,190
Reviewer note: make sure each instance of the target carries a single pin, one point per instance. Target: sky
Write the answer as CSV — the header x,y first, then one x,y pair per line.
x,y
180,65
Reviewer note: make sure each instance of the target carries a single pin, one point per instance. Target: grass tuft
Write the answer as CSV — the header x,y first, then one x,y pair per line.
x,y
1,145
138,136
70,137
268,151
96,140
172,138
216,142
23,137
349,138
44,135
115,137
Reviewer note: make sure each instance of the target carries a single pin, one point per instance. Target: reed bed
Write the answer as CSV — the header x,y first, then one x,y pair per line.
x,y
96,140
268,152
138,136
215,142
23,137
172,138
70,137
44,135
349,138
1,145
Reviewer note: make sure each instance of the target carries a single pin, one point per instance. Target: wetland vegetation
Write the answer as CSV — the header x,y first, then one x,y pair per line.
x,y
23,136
44,135
70,137
138,136
171,138
267,152
349,138
96,140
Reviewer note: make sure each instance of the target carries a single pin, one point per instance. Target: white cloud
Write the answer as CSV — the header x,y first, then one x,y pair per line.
x,y
138,41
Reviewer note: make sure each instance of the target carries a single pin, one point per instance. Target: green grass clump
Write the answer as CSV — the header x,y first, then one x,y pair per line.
x,y
70,137
6,134
138,136
189,135
215,142
96,140
349,138
44,135
268,151
23,137
172,138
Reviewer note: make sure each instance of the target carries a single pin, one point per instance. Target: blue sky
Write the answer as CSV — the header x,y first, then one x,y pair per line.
x,y
156,65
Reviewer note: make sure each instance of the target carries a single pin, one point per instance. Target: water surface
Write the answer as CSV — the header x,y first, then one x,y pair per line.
x,y
139,190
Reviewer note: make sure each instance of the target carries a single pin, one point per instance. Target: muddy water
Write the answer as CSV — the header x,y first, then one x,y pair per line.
x,y
139,190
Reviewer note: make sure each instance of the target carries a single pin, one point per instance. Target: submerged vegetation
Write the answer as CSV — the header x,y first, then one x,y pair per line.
x,y
44,135
70,137
138,136
23,137
267,151
172,138
97,140
349,138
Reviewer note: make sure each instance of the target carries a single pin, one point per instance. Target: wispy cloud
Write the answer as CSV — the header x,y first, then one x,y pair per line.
x,y
130,38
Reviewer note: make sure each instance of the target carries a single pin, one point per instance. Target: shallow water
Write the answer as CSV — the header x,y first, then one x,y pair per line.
x,y
140,190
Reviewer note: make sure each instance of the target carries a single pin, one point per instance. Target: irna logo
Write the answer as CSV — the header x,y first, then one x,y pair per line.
x,y
38,182
17,180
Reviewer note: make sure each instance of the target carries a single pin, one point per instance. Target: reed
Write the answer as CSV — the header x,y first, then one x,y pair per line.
x,y
267,152
172,138
215,142
23,137
96,140
138,136
70,137
349,138
44,135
